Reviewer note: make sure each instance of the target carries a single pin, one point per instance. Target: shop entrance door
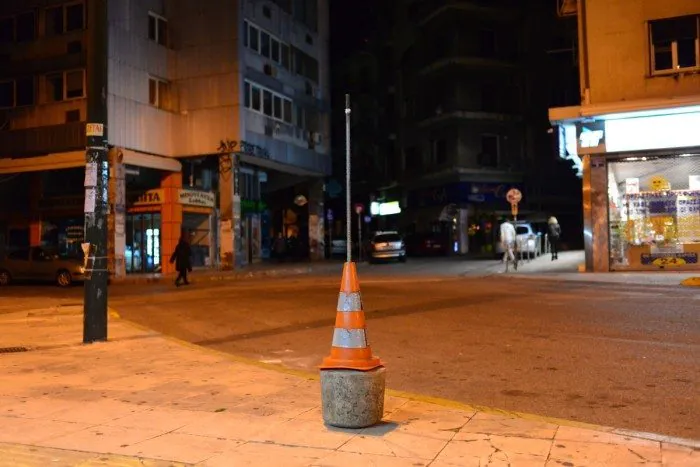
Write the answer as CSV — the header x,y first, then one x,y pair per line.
x,y
143,243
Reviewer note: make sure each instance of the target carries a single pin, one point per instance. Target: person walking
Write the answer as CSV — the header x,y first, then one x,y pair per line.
x,y
182,257
554,234
508,239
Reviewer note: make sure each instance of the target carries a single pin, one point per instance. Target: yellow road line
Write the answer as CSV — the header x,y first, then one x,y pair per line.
x,y
691,282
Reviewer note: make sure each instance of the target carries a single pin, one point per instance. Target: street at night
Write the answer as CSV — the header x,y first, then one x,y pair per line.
x,y
616,355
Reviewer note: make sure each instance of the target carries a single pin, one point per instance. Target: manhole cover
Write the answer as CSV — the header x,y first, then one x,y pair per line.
x,y
13,349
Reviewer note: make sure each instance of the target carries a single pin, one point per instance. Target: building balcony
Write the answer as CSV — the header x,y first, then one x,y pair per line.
x,y
456,115
42,140
425,11
440,63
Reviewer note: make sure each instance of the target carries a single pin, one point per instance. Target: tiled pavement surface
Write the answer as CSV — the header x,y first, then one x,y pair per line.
x,y
144,399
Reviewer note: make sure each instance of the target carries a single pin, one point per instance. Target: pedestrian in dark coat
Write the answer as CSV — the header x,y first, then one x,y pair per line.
x,y
554,234
182,257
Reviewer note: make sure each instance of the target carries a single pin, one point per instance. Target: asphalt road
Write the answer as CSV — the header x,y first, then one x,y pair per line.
x,y
619,356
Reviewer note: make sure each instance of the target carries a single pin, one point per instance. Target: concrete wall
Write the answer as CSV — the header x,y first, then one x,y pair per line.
x,y
617,38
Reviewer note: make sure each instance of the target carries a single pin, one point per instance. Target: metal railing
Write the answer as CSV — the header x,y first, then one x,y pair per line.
x,y
542,247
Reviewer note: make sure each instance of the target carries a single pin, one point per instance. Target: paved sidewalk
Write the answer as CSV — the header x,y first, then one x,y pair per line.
x,y
566,269
144,399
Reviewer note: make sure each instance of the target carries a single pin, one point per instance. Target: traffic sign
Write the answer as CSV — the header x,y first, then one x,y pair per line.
x,y
359,207
514,196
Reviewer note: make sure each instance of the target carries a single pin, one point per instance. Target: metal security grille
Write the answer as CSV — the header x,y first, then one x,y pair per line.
x,y
654,212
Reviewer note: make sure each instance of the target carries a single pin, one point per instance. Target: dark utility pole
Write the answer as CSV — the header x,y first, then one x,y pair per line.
x,y
96,176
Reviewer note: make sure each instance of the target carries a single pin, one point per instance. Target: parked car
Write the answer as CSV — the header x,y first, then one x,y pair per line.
x,y
528,240
427,244
40,264
385,246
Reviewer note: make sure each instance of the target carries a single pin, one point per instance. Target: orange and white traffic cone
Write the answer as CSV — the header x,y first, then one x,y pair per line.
x,y
352,379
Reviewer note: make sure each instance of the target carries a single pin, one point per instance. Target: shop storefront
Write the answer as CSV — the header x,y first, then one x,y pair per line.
x,y
198,222
654,212
461,214
641,187
62,224
142,230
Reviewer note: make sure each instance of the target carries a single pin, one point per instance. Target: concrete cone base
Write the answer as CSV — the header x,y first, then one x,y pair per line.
x,y
352,398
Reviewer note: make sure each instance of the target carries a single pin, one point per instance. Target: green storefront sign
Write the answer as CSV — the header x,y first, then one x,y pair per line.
x,y
249,206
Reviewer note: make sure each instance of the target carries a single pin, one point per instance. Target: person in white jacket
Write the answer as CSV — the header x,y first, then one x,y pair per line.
x,y
508,241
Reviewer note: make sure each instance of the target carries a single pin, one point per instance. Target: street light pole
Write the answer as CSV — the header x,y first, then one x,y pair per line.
x,y
96,177
348,214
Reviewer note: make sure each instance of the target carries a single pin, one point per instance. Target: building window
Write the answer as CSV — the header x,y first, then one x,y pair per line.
x,y
265,44
75,84
287,111
489,151
64,18
73,116
159,93
267,102
674,44
157,29
277,107
254,38
75,17
487,43
65,85
26,27
267,13
7,29
25,92
256,99
7,94
54,87
284,56
17,93
438,150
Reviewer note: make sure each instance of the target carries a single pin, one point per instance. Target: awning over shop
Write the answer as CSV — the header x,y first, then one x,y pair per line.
x,y
75,159
643,125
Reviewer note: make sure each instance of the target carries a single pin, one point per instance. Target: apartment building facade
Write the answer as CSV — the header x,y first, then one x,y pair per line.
x,y
460,138
634,134
218,120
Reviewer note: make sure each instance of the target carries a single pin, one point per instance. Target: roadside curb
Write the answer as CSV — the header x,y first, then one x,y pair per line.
x,y
224,276
447,403
593,283
228,275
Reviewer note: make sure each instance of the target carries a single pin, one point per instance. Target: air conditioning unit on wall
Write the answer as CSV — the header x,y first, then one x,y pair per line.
x,y
269,70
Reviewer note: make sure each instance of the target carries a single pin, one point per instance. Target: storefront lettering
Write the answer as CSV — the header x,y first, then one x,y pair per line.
x,y
148,198
243,147
197,198
669,259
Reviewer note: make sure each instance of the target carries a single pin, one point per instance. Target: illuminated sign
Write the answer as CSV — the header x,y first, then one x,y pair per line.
x,y
591,137
384,209
197,198
677,130
149,198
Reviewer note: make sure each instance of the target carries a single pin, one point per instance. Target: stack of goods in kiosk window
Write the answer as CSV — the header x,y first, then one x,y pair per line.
x,y
666,221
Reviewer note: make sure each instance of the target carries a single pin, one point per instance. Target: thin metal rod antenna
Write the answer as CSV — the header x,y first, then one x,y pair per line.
x,y
348,215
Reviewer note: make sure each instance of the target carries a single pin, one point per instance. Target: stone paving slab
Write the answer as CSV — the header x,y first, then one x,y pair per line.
x,y
142,398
